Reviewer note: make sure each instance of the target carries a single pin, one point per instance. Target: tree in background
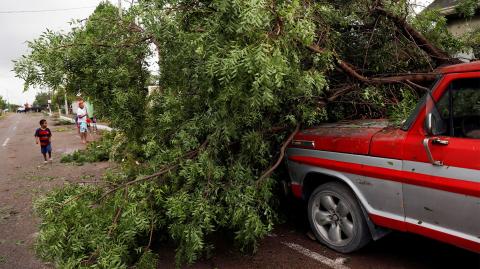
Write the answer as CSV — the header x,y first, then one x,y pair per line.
x,y
3,103
238,79
41,99
58,99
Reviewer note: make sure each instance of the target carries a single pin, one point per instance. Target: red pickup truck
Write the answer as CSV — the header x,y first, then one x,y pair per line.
x,y
364,178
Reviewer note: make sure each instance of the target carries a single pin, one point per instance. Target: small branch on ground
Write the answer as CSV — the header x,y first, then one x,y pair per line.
x,y
151,236
97,182
74,198
160,173
117,214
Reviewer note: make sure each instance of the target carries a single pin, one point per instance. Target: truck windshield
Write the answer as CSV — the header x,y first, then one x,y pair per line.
x,y
409,122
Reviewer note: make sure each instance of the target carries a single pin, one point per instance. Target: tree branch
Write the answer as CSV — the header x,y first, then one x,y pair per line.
x,y
151,236
104,45
117,214
440,56
267,173
165,170
349,70
340,92
415,85
136,28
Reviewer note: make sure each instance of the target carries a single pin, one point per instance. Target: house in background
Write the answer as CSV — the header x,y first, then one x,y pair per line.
x,y
457,25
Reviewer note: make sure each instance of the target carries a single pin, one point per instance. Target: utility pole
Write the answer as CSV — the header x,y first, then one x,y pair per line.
x,y
8,99
120,8
50,102
66,104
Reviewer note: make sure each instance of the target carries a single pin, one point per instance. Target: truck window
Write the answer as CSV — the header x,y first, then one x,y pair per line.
x,y
410,120
459,108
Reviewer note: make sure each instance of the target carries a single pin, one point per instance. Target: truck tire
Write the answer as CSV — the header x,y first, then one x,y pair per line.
x,y
336,218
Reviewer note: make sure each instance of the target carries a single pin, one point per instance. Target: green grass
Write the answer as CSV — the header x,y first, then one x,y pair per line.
x,y
59,122
96,151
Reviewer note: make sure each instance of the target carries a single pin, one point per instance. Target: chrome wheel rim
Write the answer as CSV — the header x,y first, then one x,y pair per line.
x,y
333,219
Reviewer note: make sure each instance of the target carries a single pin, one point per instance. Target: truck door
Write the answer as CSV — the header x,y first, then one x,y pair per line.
x,y
442,167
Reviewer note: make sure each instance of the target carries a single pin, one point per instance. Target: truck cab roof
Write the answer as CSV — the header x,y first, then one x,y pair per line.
x,y
460,68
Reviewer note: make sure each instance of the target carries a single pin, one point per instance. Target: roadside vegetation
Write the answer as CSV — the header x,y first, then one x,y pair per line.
x,y
96,151
237,80
62,122
3,105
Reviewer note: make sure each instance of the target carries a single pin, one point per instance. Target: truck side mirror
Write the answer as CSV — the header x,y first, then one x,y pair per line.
x,y
429,124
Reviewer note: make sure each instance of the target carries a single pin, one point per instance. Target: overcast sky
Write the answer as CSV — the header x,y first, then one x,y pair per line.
x,y
18,25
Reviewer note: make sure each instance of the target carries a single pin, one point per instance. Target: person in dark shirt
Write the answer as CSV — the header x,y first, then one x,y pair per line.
x,y
43,135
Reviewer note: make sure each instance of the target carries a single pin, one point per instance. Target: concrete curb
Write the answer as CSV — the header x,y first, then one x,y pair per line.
x,y
99,126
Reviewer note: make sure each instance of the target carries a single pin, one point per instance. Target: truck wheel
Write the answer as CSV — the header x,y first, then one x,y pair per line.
x,y
337,219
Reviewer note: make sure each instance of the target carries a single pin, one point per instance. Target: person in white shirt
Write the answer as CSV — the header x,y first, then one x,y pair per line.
x,y
82,120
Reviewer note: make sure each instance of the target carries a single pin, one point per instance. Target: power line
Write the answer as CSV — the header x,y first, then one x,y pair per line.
x,y
42,10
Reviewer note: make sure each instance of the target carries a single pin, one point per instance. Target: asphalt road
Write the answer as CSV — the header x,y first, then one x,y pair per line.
x,y
23,177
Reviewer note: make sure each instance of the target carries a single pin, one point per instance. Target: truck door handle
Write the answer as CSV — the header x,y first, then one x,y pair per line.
x,y
438,141
429,153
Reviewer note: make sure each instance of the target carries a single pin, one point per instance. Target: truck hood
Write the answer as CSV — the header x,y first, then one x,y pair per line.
x,y
346,136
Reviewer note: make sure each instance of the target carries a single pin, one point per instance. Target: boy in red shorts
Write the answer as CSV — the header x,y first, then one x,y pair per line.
x,y
43,136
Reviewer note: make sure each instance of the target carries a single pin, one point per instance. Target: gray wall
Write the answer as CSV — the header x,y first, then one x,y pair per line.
x,y
460,26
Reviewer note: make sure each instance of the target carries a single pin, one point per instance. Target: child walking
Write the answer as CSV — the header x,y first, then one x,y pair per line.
x,y
43,136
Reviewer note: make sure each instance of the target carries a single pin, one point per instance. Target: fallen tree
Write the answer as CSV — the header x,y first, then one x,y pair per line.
x,y
237,79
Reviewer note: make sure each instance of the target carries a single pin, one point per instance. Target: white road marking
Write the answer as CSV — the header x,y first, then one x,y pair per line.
x,y
6,142
335,264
